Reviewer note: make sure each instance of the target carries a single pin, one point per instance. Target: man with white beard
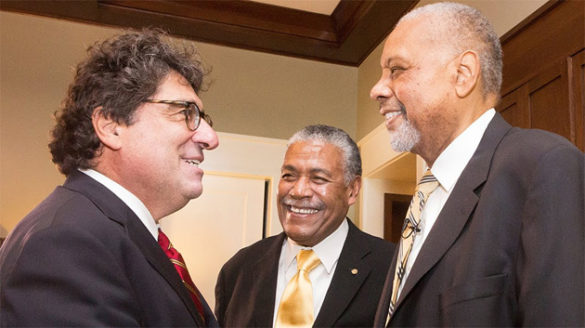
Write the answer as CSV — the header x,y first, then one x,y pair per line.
x,y
494,235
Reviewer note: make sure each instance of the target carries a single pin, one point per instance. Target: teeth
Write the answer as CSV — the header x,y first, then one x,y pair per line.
x,y
192,162
390,115
303,210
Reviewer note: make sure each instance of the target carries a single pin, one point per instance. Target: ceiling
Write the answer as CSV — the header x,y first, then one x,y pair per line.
x,y
325,7
345,36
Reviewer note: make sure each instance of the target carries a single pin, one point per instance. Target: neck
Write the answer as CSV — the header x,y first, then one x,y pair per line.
x,y
467,113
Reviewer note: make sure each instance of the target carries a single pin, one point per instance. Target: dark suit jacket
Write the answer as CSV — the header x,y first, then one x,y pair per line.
x,y
507,248
246,287
83,258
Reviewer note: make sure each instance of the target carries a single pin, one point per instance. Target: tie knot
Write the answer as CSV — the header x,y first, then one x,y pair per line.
x,y
307,260
427,183
163,240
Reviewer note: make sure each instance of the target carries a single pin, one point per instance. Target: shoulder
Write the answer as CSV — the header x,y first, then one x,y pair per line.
x,y
531,151
65,217
534,143
64,209
360,239
248,255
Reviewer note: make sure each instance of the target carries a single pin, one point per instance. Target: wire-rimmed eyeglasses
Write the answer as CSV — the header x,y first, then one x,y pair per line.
x,y
193,114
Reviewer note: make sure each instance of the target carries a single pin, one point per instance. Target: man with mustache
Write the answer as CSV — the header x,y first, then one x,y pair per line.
x,y
320,179
496,232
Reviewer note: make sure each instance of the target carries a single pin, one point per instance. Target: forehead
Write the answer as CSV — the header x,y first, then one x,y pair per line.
x,y
175,87
313,154
412,38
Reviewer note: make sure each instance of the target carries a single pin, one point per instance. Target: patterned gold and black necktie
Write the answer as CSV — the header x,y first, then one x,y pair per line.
x,y
425,187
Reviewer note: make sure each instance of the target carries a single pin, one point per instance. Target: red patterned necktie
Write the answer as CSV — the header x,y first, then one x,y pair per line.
x,y
179,263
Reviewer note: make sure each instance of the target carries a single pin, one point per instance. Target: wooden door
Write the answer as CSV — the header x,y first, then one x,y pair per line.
x,y
544,102
543,72
395,208
578,93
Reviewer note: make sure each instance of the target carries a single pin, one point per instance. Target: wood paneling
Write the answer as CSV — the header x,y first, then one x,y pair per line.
x,y
544,71
514,108
578,92
347,36
555,31
548,97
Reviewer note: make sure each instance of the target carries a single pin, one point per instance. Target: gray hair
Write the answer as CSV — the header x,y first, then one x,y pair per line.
x,y
467,28
338,138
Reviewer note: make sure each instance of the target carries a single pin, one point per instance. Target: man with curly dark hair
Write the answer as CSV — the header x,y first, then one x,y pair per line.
x,y
129,137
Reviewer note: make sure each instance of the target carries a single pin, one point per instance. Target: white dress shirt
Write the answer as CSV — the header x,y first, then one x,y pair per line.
x,y
328,251
447,169
128,198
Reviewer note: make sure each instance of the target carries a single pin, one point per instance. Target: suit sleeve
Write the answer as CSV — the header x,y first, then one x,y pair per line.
x,y
550,266
67,277
219,298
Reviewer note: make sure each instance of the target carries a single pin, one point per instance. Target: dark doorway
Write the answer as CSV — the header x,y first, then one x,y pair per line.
x,y
395,207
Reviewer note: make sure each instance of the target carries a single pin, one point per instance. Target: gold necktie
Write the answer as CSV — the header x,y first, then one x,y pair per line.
x,y
425,187
296,305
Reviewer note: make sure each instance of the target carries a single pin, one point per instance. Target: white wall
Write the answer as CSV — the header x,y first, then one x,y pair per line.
x,y
250,155
249,93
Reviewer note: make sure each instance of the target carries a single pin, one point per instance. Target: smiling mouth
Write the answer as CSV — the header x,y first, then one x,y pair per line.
x,y
193,162
391,115
298,210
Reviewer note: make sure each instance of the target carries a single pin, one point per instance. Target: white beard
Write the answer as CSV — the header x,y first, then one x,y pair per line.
x,y
405,137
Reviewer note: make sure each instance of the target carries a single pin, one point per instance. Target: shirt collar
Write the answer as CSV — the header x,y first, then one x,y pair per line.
x,y
451,162
328,250
128,198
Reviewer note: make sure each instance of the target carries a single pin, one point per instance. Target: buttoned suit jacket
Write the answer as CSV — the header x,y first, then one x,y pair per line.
x,y
83,258
246,285
507,247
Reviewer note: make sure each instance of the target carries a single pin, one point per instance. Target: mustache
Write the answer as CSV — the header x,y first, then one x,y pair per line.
x,y
394,107
402,107
304,203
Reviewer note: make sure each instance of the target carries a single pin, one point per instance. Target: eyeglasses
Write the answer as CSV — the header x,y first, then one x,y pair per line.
x,y
193,114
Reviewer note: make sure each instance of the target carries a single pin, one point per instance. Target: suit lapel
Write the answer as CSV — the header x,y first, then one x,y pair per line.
x,y
459,207
350,274
115,209
384,303
158,259
264,285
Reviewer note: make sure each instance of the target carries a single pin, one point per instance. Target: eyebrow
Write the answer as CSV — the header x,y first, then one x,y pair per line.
x,y
392,59
312,171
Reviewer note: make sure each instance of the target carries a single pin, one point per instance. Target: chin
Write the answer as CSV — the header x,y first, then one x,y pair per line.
x,y
194,193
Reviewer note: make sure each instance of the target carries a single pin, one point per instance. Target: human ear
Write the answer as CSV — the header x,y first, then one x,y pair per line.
x,y
106,129
468,71
354,190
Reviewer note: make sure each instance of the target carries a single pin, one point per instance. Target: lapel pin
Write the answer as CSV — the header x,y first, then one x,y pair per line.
x,y
354,271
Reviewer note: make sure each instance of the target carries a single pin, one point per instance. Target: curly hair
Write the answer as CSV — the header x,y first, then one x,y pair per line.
x,y
337,137
118,75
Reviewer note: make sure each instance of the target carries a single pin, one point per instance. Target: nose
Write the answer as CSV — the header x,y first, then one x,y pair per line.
x,y
301,188
381,89
205,135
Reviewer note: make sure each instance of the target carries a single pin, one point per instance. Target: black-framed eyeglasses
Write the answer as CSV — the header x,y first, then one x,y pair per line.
x,y
193,114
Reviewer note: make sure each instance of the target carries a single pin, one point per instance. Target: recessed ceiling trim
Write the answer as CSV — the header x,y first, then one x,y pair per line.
x,y
347,36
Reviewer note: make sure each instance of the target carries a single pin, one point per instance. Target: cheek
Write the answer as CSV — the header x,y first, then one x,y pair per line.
x,y
283,188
